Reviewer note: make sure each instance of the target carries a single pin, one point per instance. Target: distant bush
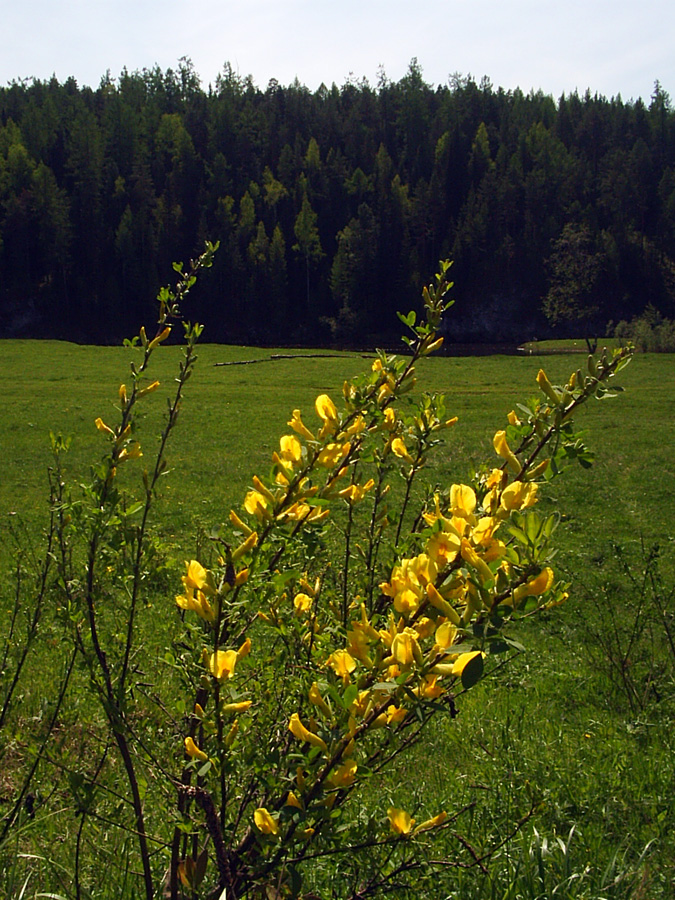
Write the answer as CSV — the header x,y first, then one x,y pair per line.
x,y
650,332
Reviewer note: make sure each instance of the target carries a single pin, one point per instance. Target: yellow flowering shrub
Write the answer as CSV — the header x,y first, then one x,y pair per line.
x,y
371,646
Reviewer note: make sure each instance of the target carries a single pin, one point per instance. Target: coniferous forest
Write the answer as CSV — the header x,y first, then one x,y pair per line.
x,y
331,207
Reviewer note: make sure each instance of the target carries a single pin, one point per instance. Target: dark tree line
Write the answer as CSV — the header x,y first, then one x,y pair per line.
x,y
331,207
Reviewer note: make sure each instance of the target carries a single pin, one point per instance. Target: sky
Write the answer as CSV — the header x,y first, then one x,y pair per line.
x,y
611,47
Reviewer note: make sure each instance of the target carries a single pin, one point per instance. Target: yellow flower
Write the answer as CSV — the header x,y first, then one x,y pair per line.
x,y
502,448
356,492
423,627
325,408
445,635
291,448
100,424
547,388
429,689
311,589
443,547
196,601
160,337
396,714
256,505
493,549
244,548
357,426
193,750
302,603
297,511
389,423
541,583
222,664
133,451
432,347
265,821
317,700
538,470
332,454
484,529
359,640
303,512
241,706
399,820
436,516
147,390
292,800
262,489
327,412
298,427
408,582
299,731
240,524
197,577
462,500
399,449
342,663
431,823
232,733
494,478
361,705
535,587
405,648
244,650
344,774
518,495
470,556
384,393
198,583
441,604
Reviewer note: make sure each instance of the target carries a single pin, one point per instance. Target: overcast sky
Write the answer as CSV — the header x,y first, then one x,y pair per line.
x,y
610,46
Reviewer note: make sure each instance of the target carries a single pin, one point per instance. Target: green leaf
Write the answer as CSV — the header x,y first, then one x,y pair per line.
x,y
133,509
515,645
408,320
350,695
388,686
517,533
472,672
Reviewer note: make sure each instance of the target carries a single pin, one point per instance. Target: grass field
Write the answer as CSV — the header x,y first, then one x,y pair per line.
x,y
233,415
562,731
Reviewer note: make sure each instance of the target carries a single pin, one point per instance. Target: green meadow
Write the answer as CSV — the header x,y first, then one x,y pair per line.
x,y
577,743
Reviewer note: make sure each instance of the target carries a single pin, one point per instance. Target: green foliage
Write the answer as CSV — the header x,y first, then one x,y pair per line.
x,y
573,296
101,189
649,333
